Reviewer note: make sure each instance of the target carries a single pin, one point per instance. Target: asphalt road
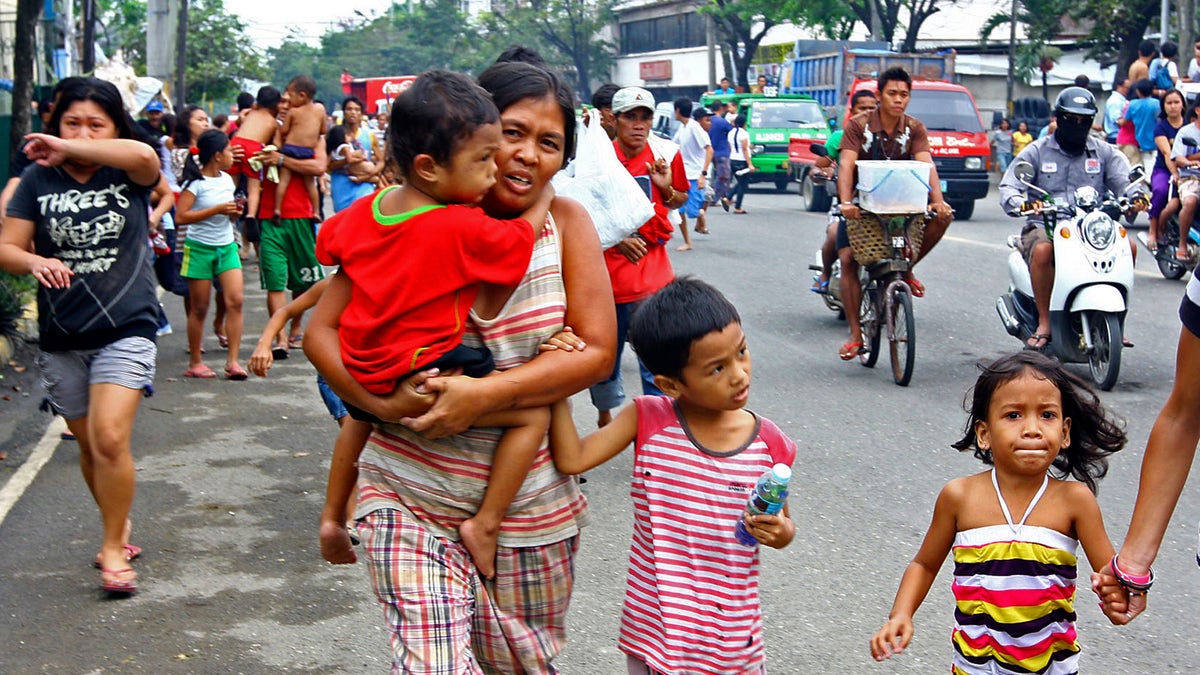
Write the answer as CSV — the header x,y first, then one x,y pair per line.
x,y
231,478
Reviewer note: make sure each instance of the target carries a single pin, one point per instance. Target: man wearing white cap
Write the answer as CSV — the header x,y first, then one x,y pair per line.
x,y
638,266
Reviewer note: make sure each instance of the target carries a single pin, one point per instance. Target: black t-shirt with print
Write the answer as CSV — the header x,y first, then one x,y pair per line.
x,y
99,230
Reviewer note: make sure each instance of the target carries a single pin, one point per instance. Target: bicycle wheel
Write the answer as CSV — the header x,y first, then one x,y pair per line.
x,y
903,337
868,317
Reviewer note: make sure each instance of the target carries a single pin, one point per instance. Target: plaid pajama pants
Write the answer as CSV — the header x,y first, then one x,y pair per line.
x,y
445,619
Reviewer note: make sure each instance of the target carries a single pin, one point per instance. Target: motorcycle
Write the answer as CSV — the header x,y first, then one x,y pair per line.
x,y
1171,266
1093,276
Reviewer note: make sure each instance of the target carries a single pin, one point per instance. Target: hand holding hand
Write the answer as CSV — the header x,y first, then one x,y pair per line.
x,y
565,340
1115,601
457,403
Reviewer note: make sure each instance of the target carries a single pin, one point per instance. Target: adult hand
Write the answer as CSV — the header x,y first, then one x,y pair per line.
x,y
272,158
458,403
45,149
239,153
1115,601
413,393
851,212
943,212
633,248
660,173
50,272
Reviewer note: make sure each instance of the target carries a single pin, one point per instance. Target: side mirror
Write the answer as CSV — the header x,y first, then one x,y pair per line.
x,y
1023,171
818,149
1137,174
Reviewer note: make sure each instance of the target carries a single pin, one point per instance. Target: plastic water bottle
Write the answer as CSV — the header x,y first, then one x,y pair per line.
x,y
768,497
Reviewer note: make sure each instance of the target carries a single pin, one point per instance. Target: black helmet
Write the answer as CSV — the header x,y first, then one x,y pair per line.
x,y
1075,100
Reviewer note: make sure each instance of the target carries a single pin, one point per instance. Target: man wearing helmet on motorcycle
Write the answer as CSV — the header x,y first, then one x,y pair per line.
x,y
1062,162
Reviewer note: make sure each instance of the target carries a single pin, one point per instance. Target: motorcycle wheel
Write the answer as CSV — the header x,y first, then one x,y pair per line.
x,y
903,339
1169,267
869,320
1104,360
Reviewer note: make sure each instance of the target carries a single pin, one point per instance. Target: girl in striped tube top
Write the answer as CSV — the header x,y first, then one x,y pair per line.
x,y
1014,578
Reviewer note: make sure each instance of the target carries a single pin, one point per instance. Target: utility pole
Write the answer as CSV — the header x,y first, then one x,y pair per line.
x,y
161,16
181,57
1187,32
89,36
1012,56
710,39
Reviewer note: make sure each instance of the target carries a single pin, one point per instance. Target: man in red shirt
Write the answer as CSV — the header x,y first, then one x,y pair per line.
x,y
638,266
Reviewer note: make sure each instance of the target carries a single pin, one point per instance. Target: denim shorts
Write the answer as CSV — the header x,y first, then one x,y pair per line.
x,y
68,376
333,403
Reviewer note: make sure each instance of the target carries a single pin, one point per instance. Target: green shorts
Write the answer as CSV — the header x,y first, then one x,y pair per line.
x,y
205,261
288,256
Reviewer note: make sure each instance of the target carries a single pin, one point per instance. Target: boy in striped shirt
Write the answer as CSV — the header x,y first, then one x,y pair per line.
x,y
691,595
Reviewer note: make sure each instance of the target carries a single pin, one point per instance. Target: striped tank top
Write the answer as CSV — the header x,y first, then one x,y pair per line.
x,y
440,483
691,591
1014,588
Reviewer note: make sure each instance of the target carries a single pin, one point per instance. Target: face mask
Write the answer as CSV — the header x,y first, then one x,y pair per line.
x,y
1072,138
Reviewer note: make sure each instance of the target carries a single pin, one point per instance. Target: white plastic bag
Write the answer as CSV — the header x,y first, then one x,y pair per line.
x,y
596,179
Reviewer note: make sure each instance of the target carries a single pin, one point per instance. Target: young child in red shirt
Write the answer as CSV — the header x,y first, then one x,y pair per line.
x,y
413,257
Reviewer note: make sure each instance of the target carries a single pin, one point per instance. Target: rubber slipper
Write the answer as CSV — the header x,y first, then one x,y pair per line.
x,y
201,372
236,373
279,354
1032,342
111,582
918,288
850,350
296,341
1126,343
739,212
725,204
820,287
223,341
131,553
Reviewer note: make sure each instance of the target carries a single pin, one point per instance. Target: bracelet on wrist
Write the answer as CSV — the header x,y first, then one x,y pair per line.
x,y
1137,584
670,198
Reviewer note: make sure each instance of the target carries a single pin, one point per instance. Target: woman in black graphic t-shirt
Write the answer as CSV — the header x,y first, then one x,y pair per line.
x,y
84,207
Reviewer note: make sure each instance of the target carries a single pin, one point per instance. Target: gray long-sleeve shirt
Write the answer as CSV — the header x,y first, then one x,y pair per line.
x,y
1101,166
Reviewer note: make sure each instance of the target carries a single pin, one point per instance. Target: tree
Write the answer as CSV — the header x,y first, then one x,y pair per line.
x,y
1117,27
220,56
835,19
889,12
1042,20
741,26
123,28
24,53
570,28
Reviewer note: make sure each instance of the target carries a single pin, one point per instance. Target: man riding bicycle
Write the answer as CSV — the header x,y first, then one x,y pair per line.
x,y
884,133
1062,162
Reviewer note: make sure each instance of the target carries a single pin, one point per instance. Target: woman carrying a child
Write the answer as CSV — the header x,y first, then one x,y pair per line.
x,y
353,157
419,480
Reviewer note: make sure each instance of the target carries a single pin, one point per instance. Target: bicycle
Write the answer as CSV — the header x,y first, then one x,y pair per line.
x,y
886,245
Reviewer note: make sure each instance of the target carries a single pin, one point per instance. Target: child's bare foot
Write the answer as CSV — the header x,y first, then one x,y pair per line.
x,y
336,547
480,540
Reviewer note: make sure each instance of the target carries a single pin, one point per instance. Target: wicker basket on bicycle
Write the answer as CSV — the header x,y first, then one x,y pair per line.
x,y
871,241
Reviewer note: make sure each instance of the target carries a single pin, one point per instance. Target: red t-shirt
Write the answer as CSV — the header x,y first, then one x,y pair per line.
x,y
415,276
296,203
632,282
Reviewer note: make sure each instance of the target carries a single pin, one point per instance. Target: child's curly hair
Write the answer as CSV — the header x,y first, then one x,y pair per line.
x,y
1095,434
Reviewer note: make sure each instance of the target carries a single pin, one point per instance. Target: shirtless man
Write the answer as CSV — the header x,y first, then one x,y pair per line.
x,y
301,132
256,128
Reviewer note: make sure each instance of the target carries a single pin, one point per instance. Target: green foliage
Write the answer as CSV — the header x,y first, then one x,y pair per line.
x,y
834,18
220,56
565,32
1116,27
1043,23
15,292
435,35
742,24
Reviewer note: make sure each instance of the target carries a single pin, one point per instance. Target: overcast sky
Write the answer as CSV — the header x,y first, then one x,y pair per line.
x,y
270,21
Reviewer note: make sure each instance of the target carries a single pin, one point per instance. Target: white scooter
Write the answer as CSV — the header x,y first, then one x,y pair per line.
x,y
1092,279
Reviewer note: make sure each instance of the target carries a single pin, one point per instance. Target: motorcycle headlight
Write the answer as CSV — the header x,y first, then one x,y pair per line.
x,y
757,149
973,163
1099,231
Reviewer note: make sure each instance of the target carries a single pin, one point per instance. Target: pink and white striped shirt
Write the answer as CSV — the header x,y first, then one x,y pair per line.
x,y
691,593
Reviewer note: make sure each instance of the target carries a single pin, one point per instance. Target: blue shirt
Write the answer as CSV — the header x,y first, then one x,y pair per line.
x,y
1143,112
722,92
718,132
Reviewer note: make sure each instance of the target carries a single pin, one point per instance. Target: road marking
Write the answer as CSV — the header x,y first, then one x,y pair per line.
x,y
16,486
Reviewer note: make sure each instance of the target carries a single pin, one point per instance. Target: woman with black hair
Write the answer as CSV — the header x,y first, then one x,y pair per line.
x,y
85,207
419,481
